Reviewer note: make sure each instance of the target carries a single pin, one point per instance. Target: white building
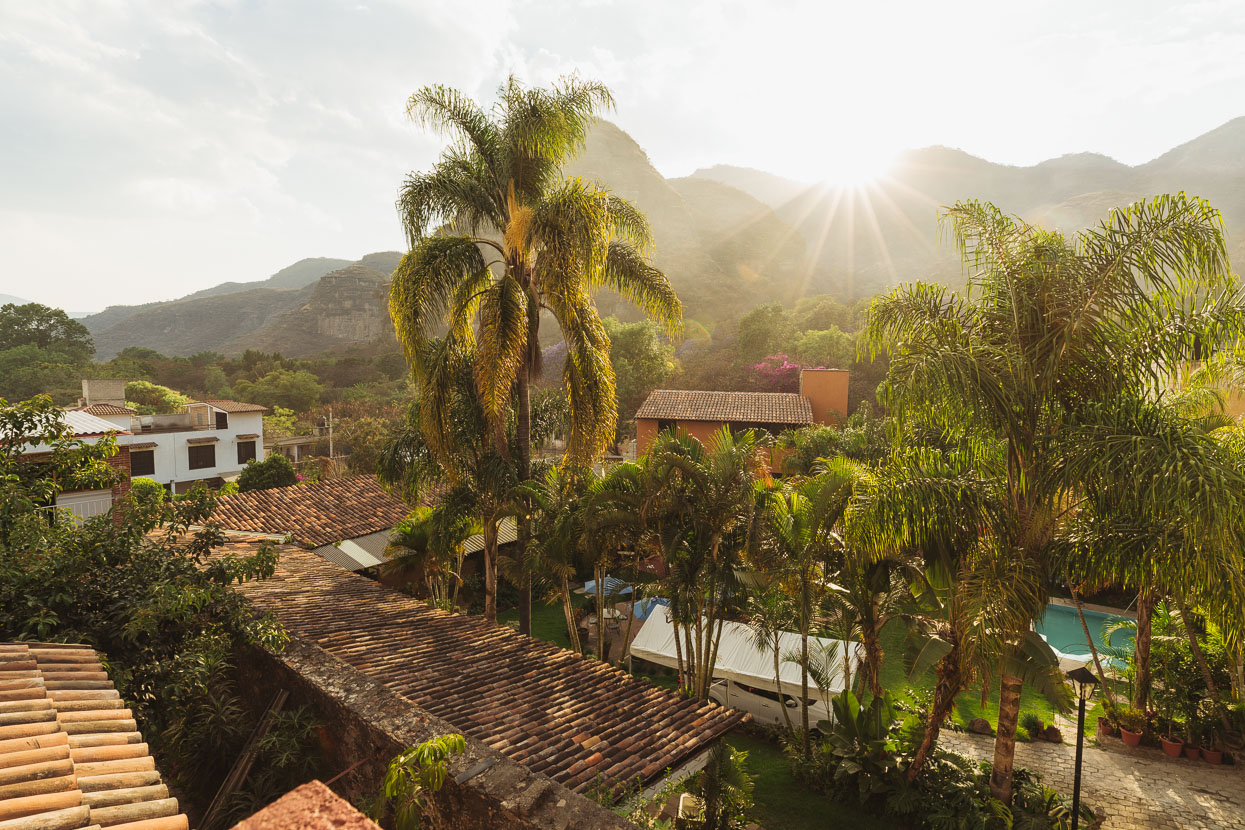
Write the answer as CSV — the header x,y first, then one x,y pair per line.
x,y
208,440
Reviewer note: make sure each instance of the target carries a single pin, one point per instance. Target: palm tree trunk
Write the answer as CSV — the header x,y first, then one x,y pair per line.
x,y
523,435
1093,649
490,570
678,652
805,738
873,655
1005,739
599,573
1200,657
1141,654
786,716
947,686
572,631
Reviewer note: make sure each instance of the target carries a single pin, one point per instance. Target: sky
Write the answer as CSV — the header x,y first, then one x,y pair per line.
x,y
151,148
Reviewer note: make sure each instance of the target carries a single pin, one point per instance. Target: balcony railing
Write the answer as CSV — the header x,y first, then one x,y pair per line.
x,y
81,510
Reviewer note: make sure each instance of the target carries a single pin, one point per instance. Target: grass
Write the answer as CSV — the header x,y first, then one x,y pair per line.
x,y
548,622
782,802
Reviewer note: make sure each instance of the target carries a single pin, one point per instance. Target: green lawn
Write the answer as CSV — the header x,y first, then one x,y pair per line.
x,y
548,622
781,802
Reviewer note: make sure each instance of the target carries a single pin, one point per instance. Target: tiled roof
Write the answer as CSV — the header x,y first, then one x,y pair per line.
x,y
70,753
785,408
561,715
86,425
143,445
104,409
314,514
234,406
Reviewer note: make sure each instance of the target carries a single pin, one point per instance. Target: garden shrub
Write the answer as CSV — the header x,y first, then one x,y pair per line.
x,y
274,471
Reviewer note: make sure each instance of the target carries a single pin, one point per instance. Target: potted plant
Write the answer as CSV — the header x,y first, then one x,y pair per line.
x,y
1132,724
1106,721
1172,745
1192,749
1212,748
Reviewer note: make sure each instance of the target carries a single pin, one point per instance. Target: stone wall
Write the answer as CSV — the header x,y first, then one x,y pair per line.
x,y
361,720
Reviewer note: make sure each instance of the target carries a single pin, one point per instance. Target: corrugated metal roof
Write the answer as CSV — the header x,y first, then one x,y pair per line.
x,y
507,533
85,424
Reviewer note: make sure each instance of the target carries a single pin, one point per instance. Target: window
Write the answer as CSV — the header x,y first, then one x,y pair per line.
x,y
142,462
246,451
222,420
664,425
202,456
753,690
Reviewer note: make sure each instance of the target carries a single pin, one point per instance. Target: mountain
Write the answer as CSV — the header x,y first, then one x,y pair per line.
x,y
728,238
6,299
865,239
234,316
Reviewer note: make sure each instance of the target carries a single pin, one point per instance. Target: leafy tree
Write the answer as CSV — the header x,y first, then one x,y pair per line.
x,y
49,329
830,348
763,331
139,587
427,547
725,788
1057,343
216,383
417,772
642,361
27,371
364,438
149,398
274,471
297,390
147,492
498,237
280,423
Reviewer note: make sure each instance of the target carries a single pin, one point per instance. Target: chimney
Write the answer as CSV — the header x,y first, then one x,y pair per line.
x,y
826,390
103,390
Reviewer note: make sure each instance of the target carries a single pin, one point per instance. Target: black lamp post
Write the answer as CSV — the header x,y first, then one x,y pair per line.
x,y
1084,681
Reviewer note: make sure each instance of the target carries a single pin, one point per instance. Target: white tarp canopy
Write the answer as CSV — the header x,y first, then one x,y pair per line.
x,y
738,659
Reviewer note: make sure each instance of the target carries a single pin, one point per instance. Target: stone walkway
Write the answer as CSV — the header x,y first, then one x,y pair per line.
x,y
1137,789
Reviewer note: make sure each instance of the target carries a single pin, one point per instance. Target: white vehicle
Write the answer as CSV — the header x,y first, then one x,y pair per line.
x,y
765,705
743,676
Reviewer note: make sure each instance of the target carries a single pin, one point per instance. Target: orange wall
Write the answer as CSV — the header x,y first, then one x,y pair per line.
x,y
702,431
826,390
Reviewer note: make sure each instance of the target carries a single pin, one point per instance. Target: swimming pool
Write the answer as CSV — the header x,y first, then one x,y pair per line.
x,y
1061,627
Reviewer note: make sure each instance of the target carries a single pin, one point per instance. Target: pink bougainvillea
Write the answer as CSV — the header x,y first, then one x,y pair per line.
x,y
776,373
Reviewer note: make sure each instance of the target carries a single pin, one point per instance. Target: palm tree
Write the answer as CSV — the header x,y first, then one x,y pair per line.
x,y
770,613
557,546
453,458
498,239
804,520
701,506
1054,332
428,547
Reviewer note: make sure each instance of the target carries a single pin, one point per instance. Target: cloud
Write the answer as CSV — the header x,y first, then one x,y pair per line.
x,y
154,147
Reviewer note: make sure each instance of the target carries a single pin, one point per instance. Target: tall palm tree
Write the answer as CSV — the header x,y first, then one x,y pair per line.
x,y
499,238
1056,331
701,506
804,520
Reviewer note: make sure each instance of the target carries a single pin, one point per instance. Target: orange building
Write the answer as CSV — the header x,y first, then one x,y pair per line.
x,y
822,399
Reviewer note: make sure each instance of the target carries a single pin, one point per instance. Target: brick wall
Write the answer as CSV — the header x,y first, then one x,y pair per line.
x,y
362,720
121,463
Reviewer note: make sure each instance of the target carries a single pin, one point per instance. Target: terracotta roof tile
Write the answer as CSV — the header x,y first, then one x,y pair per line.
x,y
560,715
104,409
69,749
314,514
785,408
234,406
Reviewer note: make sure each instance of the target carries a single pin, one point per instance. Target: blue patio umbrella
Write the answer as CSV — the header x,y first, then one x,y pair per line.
x,y
613,587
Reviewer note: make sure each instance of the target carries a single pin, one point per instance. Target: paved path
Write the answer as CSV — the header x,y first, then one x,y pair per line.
x,y
1137,789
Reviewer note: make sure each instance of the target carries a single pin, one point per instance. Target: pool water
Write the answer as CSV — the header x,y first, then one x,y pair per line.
x,y
1061,627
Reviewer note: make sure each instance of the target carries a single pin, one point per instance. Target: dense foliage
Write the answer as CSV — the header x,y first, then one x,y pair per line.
x,y
274,471
145,589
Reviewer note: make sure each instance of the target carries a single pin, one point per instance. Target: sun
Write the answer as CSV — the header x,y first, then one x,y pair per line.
x,y
855,166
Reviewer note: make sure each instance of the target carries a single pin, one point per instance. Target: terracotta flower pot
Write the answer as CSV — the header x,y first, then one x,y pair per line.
x,y
1130,738
1192,751
1172,747
1212,756
1105,727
